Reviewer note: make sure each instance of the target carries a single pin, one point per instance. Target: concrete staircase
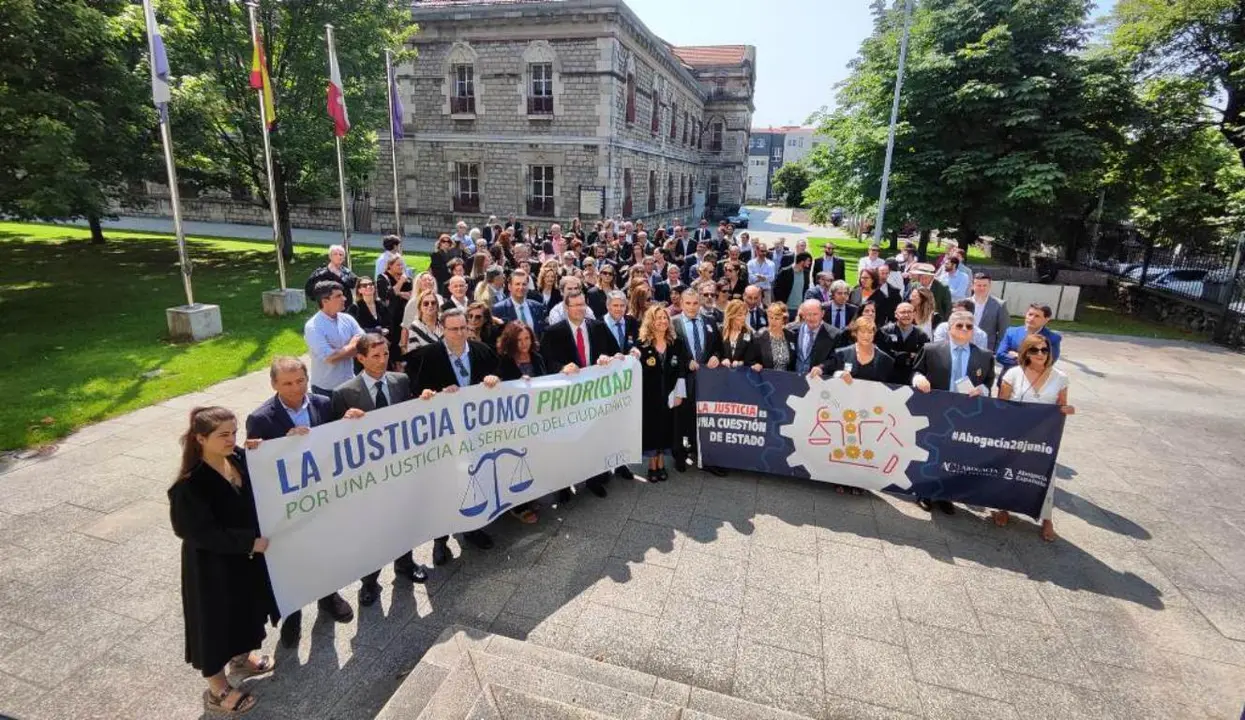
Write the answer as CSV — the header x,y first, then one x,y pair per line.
x,y
473,675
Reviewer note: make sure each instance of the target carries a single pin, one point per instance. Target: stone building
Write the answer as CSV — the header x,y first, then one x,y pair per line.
x,y
553,109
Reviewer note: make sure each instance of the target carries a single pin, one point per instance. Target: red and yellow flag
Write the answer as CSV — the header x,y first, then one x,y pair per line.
x,y
260,79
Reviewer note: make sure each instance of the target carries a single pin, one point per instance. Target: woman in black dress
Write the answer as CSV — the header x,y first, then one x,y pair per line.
x,y
393,288
664,361
374,315
226,595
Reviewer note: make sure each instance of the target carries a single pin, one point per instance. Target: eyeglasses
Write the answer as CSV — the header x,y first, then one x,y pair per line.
x,y
1039,351
963,326
432,303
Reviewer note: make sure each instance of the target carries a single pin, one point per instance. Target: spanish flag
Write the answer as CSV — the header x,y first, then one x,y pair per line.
x,y
260,79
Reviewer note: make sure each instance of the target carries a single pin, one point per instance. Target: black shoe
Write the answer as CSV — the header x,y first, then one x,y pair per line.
x,y
564,496
368,594
416,573
662,475
479,539
925,505
337,608
680,464
652,476
624,472
945,506
291,629
598,489
441,553
716,471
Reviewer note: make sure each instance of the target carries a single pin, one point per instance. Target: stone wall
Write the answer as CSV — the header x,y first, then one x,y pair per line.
x,y
1189,315
314,216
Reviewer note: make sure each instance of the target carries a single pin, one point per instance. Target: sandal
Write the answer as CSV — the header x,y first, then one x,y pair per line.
x,y
527,516
246,668
214,703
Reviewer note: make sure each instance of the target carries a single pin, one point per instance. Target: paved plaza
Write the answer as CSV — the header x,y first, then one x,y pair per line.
x,y
772,590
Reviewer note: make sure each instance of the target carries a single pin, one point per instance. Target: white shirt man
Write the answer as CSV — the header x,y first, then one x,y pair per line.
x,y
761,271
462,236
331,335
871,261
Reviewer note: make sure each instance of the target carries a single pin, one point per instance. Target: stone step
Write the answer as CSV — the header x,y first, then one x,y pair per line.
x,y
474,675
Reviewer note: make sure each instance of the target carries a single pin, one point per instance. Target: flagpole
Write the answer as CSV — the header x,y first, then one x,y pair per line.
x,y
393,141
341,163
251,6
166,139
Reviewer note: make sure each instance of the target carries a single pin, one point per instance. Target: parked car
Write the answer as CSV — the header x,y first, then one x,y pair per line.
x,y
740,217
1187,282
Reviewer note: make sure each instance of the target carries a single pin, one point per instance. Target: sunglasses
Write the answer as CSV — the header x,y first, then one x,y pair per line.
x,y
1039,351
963,326
364,286
433,303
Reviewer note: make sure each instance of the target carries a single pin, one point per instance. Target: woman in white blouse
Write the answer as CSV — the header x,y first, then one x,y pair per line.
x,y
1036,380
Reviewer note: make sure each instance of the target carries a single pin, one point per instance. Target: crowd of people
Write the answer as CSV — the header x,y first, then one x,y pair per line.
x,y
504,302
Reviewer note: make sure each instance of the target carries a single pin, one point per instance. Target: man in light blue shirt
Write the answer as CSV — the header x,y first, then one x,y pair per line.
x,y
762,271
331,335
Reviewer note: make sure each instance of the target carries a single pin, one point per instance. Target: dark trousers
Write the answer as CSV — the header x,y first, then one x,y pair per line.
x,y
403,563
685,425
297,616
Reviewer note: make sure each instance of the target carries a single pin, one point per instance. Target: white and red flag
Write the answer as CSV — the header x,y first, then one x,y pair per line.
x,y
337,97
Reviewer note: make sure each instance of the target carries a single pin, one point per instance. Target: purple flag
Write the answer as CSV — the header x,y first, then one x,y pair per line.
x,y
396,120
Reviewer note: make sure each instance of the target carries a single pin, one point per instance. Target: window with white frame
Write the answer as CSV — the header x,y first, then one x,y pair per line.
x,y
466,187
463,100
540,96
540,200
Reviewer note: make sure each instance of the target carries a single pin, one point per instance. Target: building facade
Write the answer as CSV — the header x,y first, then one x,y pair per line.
x,y
759,171
551,109
788,143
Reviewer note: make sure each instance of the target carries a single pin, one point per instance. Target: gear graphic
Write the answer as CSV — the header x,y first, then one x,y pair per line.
x,y
859,434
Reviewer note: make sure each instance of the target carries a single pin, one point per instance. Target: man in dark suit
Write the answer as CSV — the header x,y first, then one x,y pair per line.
x,y
703,341
669,289
369,390
702,233
792,282
754,306
829,263
886,298
949,365
294,411
692,262
903,341
814,340
838,312
621,332
571,345
518,307
446,366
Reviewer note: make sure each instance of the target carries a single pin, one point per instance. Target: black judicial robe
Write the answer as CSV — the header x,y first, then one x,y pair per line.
x,y
226,595
660,374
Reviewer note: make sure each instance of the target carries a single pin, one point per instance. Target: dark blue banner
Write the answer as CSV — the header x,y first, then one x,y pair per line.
x,y
938,445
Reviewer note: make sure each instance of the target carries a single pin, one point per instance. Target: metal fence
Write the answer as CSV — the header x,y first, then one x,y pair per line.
x,y
1212,278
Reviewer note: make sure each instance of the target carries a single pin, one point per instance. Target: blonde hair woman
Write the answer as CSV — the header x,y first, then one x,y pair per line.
x,y
664,364
425,329
737,346
547,285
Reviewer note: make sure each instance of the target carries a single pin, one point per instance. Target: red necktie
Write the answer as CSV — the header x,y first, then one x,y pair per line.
x,y
581,347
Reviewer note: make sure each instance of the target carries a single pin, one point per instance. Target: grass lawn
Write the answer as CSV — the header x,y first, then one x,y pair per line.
x,y
84,329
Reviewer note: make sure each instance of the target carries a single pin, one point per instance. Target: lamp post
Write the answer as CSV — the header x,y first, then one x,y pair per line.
x,y
890,139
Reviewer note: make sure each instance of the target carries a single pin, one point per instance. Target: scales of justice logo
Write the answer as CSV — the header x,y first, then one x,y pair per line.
x,y
503,462
859,434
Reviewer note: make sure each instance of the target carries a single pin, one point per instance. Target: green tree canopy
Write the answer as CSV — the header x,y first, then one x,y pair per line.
x,y
790,181
77,127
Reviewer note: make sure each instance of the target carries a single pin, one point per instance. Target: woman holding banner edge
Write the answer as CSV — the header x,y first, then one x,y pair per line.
x,y
1036,380
226,593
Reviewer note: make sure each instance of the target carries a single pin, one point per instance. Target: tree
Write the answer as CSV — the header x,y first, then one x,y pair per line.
x,y
220,143
790,181
1200,40
77,127
1004,123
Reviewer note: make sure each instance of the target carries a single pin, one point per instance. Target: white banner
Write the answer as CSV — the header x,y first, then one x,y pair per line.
x,y
352,495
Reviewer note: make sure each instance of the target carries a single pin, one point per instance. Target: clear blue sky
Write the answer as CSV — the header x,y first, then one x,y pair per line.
x,y
803,46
